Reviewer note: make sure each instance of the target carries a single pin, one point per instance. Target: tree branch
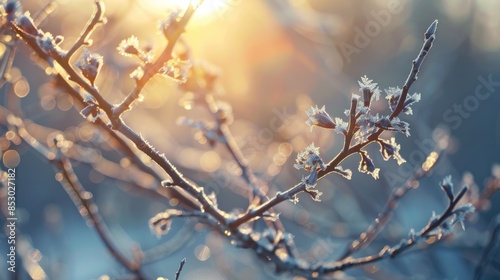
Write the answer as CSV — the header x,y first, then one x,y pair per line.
x,y
83,199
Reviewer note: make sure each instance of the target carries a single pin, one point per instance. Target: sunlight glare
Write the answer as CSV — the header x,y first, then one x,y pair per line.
x,y
209,9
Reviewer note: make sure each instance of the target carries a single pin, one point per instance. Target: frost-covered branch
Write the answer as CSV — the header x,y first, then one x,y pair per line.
x,y
173,28
489,248
87,208
362,127
392,203
181,266
84,39
270,240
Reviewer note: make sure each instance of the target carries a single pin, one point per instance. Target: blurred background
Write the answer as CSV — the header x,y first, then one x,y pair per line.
x,y
276,59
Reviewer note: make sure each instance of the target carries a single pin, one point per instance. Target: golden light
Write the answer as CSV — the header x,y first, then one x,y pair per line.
x,y
430,161
207,11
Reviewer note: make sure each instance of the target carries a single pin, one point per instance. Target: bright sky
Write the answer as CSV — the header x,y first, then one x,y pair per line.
x,y
208,10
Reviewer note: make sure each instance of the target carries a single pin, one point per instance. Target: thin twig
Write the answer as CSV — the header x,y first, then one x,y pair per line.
x,y
488,249
6,65
435,223
97,18
210,213
385,215
492,187
247,173
181,265
82,198
125,147
352,125
44,12
177,178
118,124
20,126
60,57
333,164
153,69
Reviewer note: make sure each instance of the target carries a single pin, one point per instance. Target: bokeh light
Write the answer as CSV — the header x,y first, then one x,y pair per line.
x,y
202,252
11,158
276,59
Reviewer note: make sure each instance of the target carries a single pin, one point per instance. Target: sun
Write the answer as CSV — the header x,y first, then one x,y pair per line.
x,y
207,11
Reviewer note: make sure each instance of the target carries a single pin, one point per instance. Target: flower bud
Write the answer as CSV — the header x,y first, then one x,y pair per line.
x,y
90,64
26,24
320,118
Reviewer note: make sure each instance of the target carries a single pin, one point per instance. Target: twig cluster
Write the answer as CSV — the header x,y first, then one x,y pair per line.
x,y
271,241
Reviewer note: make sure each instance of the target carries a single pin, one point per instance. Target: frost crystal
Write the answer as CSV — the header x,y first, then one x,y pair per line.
x,y
169,23
26,24
208,133
91,111
401,126
392,97
391,149
369,90
320,118
12,8
177,69
311,180
137,74
90,64
410,100
366,124
460,213
366,165
447,187
129,47
395,125
347,173
309,159
294,199
341,126
46,42
315,194
161,223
